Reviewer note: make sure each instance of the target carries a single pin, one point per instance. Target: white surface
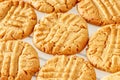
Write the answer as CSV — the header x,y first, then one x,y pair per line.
x,y
43,56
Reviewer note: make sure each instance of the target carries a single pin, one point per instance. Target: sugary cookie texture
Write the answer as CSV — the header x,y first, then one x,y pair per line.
x,y
104,48
18,60
67,68
59,33
49,6
100,12
17,20
114,76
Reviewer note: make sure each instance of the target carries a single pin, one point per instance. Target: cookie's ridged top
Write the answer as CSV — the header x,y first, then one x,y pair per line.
x,y
104,48
61,34
50,6
100,12
114,76
67,68
17,20
18,61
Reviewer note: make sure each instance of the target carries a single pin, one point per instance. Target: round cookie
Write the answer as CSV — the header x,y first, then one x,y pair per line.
x,y
114,76
18,60
67,68
104,49
49,6
17,20
61,33
100,12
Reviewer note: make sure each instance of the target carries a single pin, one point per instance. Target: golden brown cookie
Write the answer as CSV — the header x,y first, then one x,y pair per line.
x,y
1,0
18,60
67,68
104,48
17,20
100,12
49,6
114,76
59,33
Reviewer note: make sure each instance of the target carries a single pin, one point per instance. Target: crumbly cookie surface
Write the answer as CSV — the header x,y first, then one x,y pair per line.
x,y
18,60
104,49
100,12
49,6
114,76
17,20
60,33
67,68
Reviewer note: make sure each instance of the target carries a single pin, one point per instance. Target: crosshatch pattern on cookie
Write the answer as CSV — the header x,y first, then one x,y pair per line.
x,y
65,68
104,49
50,6
18,61
17,20
61,34
100,12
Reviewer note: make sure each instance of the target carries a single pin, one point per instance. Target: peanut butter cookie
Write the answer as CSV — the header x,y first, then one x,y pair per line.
x,y
18,60
61,33
67,68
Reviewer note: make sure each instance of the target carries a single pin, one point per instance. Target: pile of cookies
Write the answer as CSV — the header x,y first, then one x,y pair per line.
x,y
61,34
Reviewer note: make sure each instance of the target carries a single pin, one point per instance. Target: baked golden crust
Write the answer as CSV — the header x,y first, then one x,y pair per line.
x,y
49,6
114,76
17,20
67,68
18,60
100,12
60,33
104,49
